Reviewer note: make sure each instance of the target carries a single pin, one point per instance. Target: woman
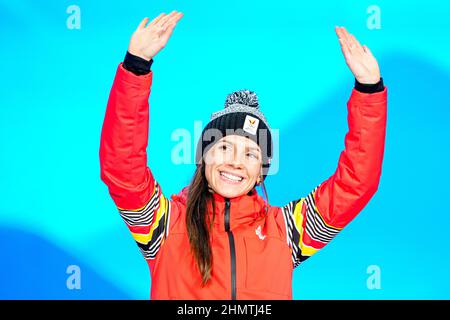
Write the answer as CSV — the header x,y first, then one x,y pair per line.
x,y
218,239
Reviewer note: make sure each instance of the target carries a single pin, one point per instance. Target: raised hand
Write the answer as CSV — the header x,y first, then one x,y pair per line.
x,y
147,41
359,58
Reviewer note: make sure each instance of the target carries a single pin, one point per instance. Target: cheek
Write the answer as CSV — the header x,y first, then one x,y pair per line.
x,y
254,171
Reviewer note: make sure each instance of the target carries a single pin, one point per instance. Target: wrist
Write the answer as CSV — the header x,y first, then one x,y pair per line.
x,y
139,54
368,81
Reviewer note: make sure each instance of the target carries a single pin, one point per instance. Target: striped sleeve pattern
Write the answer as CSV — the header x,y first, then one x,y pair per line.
x,y
149,224
307,232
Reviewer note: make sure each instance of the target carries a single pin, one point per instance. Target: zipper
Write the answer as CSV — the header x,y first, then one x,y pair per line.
x,y
232,249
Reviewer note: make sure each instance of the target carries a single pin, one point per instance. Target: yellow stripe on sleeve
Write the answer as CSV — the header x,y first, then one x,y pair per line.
x,y
145,238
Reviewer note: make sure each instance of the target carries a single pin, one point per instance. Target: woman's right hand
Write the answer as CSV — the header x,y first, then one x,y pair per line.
x,y
147,41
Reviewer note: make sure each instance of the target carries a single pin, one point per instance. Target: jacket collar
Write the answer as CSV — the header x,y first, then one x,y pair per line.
x,y
244,210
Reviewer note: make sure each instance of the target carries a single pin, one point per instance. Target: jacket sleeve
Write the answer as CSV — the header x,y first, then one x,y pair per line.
x,y
123,161
313,221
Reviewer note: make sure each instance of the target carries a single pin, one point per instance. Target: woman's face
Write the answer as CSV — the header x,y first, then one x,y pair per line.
x,y
233,166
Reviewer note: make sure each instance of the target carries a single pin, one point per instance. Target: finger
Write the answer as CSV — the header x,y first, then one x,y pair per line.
x,y
338,31
367,50
342,38
143,23
166,35
169,29
345,34
164,20
176,17
355,42
173,20
346,46
345,49
155,21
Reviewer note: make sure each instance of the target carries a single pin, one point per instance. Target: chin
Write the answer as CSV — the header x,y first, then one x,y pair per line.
x,y
227,192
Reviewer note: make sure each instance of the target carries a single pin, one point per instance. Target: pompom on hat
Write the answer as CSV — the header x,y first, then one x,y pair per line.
x,y
240,116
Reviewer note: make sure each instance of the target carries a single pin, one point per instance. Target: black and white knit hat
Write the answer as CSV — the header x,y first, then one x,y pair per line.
x,y
241,116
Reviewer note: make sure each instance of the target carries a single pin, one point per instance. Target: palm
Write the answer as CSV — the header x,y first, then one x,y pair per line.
x,y
359,58
147,41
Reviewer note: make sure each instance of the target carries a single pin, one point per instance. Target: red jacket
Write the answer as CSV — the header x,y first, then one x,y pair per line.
x,y
254,252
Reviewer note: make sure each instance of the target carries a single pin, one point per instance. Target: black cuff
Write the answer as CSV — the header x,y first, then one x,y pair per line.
x,y
137,65
369,88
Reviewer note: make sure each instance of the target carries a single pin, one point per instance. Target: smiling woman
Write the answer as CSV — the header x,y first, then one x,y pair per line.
x,y
233,166
218,238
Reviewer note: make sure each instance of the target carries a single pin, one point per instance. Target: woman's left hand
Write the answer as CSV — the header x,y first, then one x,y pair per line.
x,y
359,59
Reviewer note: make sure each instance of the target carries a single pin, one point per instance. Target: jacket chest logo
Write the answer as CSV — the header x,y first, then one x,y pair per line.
x,y
259,233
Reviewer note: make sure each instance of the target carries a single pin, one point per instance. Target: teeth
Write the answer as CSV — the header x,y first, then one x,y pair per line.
x,y
230,176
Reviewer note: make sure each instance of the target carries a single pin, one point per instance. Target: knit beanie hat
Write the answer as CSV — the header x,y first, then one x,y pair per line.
x,y
241,116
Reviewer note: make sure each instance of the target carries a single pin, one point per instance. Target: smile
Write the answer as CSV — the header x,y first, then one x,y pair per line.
x,y
231,177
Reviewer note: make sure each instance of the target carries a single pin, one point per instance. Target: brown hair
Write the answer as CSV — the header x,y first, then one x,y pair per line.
x,y
199,223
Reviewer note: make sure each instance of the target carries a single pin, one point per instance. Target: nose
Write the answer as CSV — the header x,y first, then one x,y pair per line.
x,y
235,160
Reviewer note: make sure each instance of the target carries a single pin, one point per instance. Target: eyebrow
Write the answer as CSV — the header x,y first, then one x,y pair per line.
x,y
253,148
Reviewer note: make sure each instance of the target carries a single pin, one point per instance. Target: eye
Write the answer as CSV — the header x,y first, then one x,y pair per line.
x,y
252,155
223,147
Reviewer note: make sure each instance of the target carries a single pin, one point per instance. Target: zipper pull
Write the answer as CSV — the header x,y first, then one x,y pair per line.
x,y
227,214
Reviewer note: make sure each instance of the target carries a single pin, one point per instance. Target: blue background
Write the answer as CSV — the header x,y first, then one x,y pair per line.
x,y
56,212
